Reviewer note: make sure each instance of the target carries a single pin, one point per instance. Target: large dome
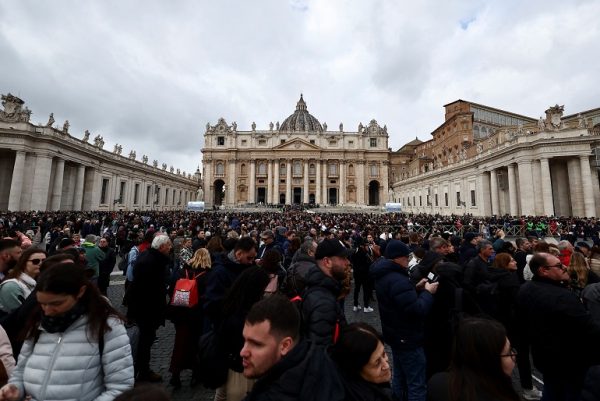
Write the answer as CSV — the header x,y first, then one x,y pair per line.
x,y
301,120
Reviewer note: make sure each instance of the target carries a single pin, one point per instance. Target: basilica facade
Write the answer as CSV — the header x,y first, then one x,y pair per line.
x,y
299,161
44,167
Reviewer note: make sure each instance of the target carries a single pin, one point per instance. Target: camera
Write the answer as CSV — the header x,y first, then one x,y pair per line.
x,y
432,278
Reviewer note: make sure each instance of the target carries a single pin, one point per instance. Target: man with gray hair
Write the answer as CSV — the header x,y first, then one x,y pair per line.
x,y
93,256
147,301
304,258
476,271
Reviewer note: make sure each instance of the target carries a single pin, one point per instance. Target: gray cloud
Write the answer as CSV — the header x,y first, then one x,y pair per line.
x,y
150,74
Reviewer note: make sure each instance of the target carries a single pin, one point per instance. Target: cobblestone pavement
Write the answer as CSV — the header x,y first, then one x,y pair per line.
x,y
161,350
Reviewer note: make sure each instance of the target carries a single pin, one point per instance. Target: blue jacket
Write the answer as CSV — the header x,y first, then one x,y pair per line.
x,y
402,308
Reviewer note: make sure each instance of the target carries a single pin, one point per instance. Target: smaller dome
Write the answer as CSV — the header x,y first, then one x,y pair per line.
x,y
301,120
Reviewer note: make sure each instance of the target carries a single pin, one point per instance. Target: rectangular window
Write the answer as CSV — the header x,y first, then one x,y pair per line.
x,y
332,143
220,141
104,192
458,199
351,143
244,142
136,194
436,200
148,189
262,142
166,195
173,197
283,141
312,141
446,198
122,192
373,142
414,201
473,203
420,200
333,169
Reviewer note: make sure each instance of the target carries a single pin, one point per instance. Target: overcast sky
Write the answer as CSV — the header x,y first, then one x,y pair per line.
x,y
150,74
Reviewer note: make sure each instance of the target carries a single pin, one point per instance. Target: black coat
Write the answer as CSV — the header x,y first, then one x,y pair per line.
x,y
503,303
475,273
402,308
591,386
320,309
148,291
563,337
357,389
224,272
305,374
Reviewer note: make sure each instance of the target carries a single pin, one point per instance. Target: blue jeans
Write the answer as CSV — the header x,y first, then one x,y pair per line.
x,y
408,374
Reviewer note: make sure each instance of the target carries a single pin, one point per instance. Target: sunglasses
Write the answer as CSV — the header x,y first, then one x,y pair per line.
x,y
36,261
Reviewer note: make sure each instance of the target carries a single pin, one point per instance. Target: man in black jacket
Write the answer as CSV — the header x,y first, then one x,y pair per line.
x,y
287,368
476,271
225,269
147,301
562,334
321,310
106,265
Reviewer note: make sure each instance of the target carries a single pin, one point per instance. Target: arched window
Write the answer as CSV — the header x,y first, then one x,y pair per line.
x,y
220,168
262,168
243,169
311,169
374,169
333,169
297,167
351,169
282,171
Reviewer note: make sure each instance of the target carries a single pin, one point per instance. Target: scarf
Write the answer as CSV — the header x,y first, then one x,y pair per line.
x,y
59,324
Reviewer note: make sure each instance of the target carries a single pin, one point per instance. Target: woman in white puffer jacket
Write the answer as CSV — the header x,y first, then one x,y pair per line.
x,y
77,347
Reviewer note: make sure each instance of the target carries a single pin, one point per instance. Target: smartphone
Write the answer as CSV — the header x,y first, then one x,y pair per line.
x,y
432,278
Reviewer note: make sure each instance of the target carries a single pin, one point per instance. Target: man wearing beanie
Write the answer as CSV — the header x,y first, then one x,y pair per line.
x,y
403,308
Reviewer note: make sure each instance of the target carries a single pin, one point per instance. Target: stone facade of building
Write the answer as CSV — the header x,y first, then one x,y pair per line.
x,y
45,168
486,162
299,161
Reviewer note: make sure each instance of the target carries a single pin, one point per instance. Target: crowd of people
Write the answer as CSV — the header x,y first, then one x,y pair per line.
x,y
257,301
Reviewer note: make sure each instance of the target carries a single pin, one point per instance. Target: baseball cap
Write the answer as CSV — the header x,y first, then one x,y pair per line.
x,y
331,247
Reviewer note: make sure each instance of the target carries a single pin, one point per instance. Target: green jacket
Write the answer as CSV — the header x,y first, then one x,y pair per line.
x,y
93,256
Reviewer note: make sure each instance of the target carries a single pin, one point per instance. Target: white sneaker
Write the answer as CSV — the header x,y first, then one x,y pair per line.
x,y
357,308
533,394
368,309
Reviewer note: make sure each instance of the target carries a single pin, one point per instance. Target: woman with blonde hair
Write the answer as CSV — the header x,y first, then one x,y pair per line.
x,y
189,321
580,273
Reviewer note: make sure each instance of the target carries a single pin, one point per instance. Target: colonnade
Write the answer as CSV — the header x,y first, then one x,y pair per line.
x,y
545,186
42,181
280,178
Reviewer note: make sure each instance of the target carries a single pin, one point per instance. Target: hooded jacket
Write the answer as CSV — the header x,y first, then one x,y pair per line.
x,y
402,308
321,310
305,374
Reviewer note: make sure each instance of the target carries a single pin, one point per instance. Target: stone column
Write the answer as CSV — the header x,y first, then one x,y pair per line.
x,y
483,194
58,184
16,185
41,182
526,188
275,198
384,166
546,187
342,191
588,191
208,182
305,190
79,182
494,192
360,186
577,204
252,184
325,181
512,190
288,182
231,190
269,182
318,182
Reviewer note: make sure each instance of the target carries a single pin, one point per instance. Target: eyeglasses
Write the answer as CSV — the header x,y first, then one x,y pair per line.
x,y
512,354
36,261
558,265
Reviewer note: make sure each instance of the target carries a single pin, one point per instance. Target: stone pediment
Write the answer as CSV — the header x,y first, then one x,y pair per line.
x,y
296,144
